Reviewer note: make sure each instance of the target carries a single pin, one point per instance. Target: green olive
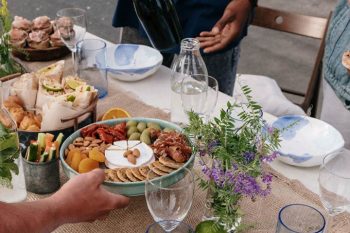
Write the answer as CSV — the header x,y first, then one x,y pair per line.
x,y
145,137
141,126
168,130
131,130
131,123
153,125
135,136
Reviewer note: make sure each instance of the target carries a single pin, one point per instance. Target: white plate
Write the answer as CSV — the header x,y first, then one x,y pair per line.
x,y
132,62
306,140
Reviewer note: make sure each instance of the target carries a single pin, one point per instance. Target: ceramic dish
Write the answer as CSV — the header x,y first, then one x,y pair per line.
x,y
306,140
130,62
127,188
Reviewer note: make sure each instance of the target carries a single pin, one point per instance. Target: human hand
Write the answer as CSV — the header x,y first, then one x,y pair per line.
x,y
82,199
228,28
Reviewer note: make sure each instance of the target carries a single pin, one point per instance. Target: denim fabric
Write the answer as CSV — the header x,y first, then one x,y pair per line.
x,y
223,67
337,42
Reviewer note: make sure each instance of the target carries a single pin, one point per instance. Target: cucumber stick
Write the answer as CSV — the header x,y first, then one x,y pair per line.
x,y
33,152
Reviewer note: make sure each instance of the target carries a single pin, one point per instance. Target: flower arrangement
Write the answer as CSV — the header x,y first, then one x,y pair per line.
x,y
7,65
237,148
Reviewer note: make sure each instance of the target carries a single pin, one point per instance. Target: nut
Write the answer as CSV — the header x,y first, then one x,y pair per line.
x,y
78,144
126,153
96,141
71,147
86,143
94,145
131,158
89,138
136,153
79,139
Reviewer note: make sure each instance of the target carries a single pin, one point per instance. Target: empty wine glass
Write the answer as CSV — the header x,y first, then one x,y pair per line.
x,y
334,182
71,25
169,200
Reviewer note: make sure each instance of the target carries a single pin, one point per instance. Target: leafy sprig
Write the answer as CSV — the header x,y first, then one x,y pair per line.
x,y
238,142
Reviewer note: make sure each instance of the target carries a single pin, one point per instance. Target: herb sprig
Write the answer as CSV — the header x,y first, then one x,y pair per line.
x,y
237,146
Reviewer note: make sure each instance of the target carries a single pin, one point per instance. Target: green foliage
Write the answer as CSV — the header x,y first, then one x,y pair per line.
x,y
240,129
9,151
7,65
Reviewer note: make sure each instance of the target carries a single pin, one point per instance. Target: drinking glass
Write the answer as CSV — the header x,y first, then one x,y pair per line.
x,y
334,182
300,218
199,93
169,200
71,25
91,57
181,228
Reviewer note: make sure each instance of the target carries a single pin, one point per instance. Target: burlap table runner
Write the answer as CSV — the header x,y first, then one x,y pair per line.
x,y
261,214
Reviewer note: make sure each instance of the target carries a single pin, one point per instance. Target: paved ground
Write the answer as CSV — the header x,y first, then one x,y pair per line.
x,y
289,59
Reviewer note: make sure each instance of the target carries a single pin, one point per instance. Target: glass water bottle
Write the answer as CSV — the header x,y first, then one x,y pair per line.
x,y
12,183
188,62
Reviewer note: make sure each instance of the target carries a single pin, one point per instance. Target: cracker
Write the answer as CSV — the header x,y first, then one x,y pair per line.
x,y
130,175
144,170
122,175
161,167
156,170
135,171
166,161
111,175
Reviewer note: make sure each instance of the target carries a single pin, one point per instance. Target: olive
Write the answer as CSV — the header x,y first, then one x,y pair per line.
x,y
141,126
135,136
153,125
145,137
131,123
131,130
168,130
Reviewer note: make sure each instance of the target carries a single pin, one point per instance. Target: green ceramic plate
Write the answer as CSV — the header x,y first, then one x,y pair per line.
x,y
128,188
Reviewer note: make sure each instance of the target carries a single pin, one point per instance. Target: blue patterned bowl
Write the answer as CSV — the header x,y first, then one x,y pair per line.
x,y
127,188
131,62
306,141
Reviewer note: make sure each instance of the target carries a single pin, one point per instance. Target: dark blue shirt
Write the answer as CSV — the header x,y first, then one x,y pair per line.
x,y
195,16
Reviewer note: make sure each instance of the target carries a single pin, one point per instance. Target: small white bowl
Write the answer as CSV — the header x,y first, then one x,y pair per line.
x,y
306,141
132,62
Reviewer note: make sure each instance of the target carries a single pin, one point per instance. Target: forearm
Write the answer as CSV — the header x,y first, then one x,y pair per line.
x,y
38,216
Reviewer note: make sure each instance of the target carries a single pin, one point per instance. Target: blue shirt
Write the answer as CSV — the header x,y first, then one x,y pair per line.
x,y
337,42
195,16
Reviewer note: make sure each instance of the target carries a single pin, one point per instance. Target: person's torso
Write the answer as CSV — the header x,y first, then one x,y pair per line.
x,y
338,41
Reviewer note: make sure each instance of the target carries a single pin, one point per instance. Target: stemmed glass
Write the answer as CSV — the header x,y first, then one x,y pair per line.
x,y
71,25
199,93
169,200
334,182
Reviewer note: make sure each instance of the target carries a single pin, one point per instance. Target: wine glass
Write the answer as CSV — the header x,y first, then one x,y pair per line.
x,y
199,93
71,25
334,182
169,200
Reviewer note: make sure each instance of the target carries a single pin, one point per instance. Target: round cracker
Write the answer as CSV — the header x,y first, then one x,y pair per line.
x,y
161,167
122,175
169,162
130,175
144,170
156,170
135,171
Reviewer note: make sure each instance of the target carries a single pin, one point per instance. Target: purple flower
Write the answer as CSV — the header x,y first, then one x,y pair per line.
x,y
266,178
270,158
248,156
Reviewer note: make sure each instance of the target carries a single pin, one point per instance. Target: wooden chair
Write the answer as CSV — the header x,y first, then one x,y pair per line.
x,y
302,25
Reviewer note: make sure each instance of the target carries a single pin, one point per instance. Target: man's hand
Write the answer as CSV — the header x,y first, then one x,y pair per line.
x,y
82,199
228,28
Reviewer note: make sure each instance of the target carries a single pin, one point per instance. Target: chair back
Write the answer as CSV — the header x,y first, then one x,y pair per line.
x,y
302,25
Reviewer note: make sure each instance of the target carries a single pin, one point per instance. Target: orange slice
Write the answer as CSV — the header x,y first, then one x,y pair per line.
x,y
114,113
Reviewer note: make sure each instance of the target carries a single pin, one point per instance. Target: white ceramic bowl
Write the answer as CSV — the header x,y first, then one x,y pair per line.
x,y
306,141
132,62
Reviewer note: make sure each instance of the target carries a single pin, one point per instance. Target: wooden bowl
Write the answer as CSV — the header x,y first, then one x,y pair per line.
x,y
52,53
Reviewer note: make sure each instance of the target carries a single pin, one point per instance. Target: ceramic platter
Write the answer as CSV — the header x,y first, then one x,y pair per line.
x,y
306,141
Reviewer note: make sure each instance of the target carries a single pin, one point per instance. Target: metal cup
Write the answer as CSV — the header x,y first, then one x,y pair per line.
x,y
41,178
